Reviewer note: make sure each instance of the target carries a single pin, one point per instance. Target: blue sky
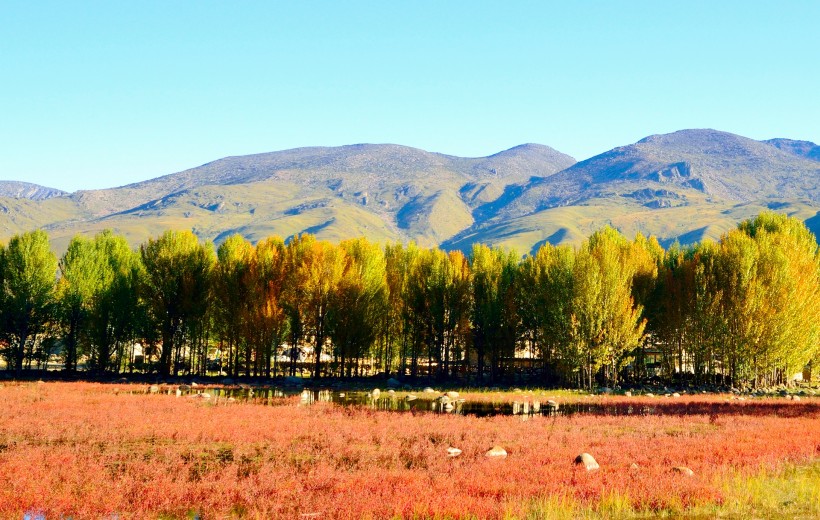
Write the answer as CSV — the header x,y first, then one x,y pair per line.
x,y
99,94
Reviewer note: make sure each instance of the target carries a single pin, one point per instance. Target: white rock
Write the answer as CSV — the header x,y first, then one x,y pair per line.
x,y
587,461
683,470
497,452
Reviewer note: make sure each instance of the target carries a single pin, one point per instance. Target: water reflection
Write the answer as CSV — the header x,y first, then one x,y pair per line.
x,y
391,401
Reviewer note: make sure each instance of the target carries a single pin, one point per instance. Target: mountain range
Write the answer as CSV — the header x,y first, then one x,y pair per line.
x,y
683,186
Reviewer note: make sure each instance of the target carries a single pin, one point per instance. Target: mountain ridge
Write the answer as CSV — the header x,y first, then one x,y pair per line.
x,y
684,185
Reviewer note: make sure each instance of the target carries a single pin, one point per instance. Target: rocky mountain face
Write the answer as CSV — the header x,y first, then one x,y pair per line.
x,y
27,190
805,149
684,186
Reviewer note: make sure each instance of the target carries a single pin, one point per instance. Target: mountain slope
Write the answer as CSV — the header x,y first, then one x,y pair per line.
x,y
805,149
27,190
664,184
664,170
384,191
686,186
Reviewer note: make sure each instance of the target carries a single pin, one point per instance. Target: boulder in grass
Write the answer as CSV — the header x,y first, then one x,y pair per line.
x,y
497,452
411,397
587,461
683,470
429,390
453,452
154,389
452,395
376,393
634,466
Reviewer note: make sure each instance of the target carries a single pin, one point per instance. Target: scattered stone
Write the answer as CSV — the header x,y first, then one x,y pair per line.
x,y
517,390
443,399
676,395
449,407
453,452
683,470
194,384
154,389
634,466
789,397
452,395
587,461
628,393
411,397
796,398
393,383
376,393
429,390
391,391
496,452
553,405
650,394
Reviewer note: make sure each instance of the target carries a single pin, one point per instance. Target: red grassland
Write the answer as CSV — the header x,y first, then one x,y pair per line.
x,y
88,450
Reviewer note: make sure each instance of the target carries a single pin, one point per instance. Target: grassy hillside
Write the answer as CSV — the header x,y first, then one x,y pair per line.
x,y
687,186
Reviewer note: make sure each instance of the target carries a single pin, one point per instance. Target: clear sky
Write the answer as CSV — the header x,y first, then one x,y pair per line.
x,y
99,94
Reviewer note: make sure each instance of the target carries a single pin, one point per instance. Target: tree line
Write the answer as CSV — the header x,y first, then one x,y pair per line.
x,y
745,309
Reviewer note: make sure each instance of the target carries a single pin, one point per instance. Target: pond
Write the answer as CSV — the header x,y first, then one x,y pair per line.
x,y
422,402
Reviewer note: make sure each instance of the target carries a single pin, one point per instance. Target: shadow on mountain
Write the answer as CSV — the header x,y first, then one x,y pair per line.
x,y
691,237
313,230
490,209
553,239
813,224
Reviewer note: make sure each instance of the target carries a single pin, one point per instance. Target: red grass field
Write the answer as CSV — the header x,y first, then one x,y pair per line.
x,y
89,450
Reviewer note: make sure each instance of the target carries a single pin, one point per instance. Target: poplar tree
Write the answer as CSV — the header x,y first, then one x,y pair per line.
x,y
605,321
176,288
28,271
267,323
80,279
231,287
358,303
115,307
321,271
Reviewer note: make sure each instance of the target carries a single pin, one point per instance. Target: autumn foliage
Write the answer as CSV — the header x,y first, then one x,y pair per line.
x,y
88,450
742,311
